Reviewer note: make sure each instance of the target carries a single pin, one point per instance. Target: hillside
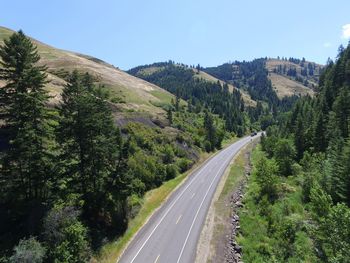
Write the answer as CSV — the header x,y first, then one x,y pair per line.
x,y
148,70
288,77
245,96
293,76
133,94
297,206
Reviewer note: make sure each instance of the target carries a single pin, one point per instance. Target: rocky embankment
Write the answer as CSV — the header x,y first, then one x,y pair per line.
x,y
233,251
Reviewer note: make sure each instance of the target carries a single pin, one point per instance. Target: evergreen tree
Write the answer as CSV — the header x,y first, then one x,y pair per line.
x,y
27,164
210,131
91,149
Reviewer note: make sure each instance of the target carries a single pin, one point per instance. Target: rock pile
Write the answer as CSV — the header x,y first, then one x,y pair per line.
x,y
233,250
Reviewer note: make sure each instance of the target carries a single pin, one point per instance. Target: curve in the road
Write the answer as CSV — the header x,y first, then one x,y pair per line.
x,y
172,233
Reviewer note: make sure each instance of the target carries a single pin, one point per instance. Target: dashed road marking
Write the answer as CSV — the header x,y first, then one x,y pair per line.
x,y
177,221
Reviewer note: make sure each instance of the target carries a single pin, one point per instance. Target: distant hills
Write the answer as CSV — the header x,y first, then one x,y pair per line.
x,y
131,93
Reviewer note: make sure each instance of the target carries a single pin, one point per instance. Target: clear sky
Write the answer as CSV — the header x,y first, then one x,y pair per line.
x,y
210,32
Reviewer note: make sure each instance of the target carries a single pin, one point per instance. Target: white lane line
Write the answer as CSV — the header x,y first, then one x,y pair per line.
x,y
172,205
177,221
193,195
200,206
157,259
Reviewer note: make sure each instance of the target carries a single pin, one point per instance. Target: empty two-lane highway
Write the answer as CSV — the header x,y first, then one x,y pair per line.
x,y
172,233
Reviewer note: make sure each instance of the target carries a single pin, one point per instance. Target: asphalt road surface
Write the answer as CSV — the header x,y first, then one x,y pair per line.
x,y
172,233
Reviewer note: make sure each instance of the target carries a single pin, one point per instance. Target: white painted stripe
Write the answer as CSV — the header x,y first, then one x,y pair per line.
x,y
172,205
181,194
200,206
177,221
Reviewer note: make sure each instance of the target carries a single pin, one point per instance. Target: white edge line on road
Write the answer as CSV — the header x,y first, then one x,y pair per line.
x,y
160,221
157,259
200,206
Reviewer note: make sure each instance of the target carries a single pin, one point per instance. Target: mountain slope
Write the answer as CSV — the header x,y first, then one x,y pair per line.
x,y
148,70
293,76
245,96
288,77
134,93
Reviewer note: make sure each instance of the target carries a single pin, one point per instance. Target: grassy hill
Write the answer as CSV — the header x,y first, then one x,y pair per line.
x,y
293,76
128,92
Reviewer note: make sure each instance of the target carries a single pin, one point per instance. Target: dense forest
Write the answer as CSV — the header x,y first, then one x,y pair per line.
x,y
297,206
199,93
252,76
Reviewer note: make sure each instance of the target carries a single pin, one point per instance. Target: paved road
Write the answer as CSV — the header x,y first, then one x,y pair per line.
x,y
172,233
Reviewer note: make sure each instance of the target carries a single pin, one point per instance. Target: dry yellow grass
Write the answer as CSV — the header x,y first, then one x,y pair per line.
x,y
287,87
283,85
138,94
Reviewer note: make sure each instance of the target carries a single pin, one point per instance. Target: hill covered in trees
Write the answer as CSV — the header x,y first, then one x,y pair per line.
x,y
287,77
298,202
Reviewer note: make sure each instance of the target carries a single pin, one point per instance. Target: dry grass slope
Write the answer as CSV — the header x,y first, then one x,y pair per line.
x,y
138,94
283,85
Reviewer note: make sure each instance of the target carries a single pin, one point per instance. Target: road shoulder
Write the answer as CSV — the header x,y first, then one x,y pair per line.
x,y
217,230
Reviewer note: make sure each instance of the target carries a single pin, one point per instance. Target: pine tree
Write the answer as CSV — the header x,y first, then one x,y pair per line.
x,y
210,131
23,101
91,146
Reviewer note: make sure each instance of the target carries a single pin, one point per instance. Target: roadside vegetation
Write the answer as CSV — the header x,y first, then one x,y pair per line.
x,y
71,180
297,206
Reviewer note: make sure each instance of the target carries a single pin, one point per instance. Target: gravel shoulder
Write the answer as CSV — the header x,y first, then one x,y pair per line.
x,y
217,241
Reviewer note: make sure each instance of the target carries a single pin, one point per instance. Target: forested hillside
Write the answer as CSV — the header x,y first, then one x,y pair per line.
x,y
287,77
199,93
71,179
297,207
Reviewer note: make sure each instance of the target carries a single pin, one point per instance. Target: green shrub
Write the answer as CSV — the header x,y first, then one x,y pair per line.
x,y
171,171
28,251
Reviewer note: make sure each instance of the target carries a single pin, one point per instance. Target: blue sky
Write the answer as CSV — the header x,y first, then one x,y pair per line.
x,y
135,32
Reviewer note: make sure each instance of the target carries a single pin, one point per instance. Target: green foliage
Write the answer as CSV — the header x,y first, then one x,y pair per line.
x,y
28,251
199,93
265,173
66,236
27,163
320,202
334,234
284,154
274,229
313,205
